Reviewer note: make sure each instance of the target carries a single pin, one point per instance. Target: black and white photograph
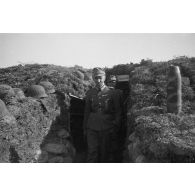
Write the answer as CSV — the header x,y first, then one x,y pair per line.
x,y
97,97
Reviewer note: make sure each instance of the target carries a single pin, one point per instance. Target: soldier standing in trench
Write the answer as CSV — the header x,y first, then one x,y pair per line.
x,y
102,116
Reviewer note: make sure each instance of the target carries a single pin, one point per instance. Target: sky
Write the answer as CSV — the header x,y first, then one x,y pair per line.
x,y
92,49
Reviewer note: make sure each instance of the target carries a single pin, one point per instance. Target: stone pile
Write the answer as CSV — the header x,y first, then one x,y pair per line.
x,y
57,147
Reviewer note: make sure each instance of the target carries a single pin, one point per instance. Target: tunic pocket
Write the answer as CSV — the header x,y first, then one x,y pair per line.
x,y
108,104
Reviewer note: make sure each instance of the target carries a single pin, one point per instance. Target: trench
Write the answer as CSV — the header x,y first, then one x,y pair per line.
x,y
71,120
76,128
57,145
76,123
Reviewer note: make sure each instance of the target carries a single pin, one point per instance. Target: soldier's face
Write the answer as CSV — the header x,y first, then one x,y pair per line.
x,y
112,84
99,80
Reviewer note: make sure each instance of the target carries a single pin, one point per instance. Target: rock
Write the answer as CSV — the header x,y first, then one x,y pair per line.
x,y
63,133
130,153
178,150
192,131
138,88
158,150
186,81
140,159
132,137
14,110
136,145
68,159
37,154
9,119
134,149
193,78
71,150
55,148
193,106
43,157
148,110
60,159
57,159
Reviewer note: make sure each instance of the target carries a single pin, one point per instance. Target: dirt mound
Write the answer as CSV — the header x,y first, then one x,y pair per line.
x,y
163,138
32,121
153,135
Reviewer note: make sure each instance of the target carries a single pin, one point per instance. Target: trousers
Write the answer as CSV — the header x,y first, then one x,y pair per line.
x,y
98,146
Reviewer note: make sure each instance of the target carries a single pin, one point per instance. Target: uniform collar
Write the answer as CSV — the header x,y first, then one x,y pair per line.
x,y
101,89
111,87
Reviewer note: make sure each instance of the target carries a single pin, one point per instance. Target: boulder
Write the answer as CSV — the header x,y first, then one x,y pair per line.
x,y
185,81
57,159
63,133
192,131
43,157
67,159
55,148
140,159
70,149
148,111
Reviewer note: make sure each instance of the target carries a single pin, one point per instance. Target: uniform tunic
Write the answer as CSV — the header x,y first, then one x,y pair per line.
x,y
102,115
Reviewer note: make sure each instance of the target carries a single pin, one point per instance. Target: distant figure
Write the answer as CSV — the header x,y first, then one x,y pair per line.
x,y
112,82
101,117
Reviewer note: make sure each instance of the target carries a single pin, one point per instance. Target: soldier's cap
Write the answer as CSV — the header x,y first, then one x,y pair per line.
x,y
36,91
6,90
112,78
98,72
48,86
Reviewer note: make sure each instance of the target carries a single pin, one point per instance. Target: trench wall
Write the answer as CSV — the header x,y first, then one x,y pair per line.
x,y
153,135
38,131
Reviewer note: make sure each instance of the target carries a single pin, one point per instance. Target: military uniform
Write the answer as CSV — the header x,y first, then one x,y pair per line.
x,y
102,116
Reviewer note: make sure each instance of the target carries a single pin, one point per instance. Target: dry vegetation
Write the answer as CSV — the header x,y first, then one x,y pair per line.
x,y
153,135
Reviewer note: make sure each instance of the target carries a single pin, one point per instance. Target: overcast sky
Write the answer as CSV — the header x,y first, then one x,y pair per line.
x,y
90,50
